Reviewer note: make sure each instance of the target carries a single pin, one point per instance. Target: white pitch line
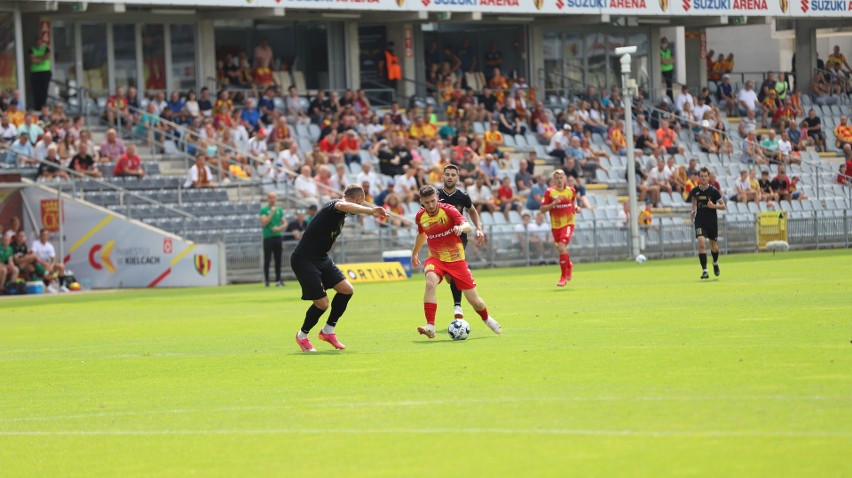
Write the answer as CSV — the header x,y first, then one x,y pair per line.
x,y
436,431
418,403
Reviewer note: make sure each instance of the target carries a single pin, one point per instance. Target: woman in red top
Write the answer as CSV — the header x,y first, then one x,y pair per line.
x,y
393,206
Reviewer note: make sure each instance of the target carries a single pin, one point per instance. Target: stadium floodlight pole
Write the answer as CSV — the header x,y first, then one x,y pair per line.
x,y
628,85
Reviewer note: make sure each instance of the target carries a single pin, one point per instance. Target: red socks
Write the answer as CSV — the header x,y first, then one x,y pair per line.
x,y
430,309
564,263
483,313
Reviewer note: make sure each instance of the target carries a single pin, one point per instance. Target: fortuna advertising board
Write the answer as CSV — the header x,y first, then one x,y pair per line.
x,y
107,251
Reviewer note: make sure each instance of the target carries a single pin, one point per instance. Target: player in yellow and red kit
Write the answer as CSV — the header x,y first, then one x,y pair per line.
x,y
441,225
561,201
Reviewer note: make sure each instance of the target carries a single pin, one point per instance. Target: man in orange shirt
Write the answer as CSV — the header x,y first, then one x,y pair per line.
x,y
422,131
393,71
843,133
493,140
561,202
441,225
666,137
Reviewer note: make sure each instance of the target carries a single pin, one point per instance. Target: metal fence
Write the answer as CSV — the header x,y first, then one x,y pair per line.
x,y
593,241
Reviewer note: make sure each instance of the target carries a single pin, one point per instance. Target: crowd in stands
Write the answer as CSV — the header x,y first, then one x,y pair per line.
x,y
313,146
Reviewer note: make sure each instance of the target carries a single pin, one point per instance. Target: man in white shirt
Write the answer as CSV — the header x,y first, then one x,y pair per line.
x,y
742,189
785,147
288,160
199,174
46,258
535,232
40,150
481,195
700,109
368,175
559,143
305,186
747,99
406,185
659,180
683,97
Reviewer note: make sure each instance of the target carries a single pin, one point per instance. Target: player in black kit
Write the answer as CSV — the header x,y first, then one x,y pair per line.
x,y
458,198
706,199
316,271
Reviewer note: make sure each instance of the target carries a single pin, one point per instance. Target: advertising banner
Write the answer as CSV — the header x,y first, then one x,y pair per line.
x,y
821,8
761,8
106,251
373,272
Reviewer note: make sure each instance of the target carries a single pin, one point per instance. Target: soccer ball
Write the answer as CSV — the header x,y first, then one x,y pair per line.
x,y
459,329
641,259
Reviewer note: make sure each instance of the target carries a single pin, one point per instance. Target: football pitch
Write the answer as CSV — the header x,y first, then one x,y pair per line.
x,y
631,370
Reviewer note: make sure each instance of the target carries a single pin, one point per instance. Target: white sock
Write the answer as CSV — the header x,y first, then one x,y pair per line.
x,y
302,335
715,263
705,269
328,329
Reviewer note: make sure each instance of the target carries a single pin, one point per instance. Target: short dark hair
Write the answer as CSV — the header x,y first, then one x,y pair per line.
x,y
451,166
353,190
427,190
704,170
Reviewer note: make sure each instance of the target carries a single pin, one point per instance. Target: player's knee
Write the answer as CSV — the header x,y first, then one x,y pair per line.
x,y
344,287
321,303
432,281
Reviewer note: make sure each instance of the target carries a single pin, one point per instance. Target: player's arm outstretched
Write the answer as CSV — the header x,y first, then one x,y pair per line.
x,y
352,208
475,218
415,252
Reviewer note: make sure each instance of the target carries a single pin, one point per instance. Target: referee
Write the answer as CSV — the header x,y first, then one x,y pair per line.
x,y
316,272
449,194
706,200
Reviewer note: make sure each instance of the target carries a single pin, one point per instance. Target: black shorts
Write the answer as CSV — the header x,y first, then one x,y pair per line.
x,y
315,275
708,229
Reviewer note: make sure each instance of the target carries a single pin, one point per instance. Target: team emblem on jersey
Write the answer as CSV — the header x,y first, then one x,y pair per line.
x,y
429,268
699,231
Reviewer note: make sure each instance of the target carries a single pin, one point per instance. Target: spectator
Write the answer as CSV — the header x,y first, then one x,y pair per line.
x,y
747,99
748,124
559,143
843,133
523,179
752,153
406,185
532,236
815,132
422,131
742,190
536,193
40,150
667,63
279,134
821,90
481,195
794,193
20,153
45,259
642,187
32,128
199,174
305,186
509,121
836,59
391,66
396,214
49,168
682,98
205,106
506,199
781,184
725,96
367,175
349,146
617,141
842,175
129,164
705,139
765,185
8,270
667,138
646,217
770,147
659,180
112,147
488,166
149,126
644,142
785,147
388,190
84,163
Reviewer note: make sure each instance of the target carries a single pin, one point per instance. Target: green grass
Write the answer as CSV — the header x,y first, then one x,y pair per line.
x,y
631,370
